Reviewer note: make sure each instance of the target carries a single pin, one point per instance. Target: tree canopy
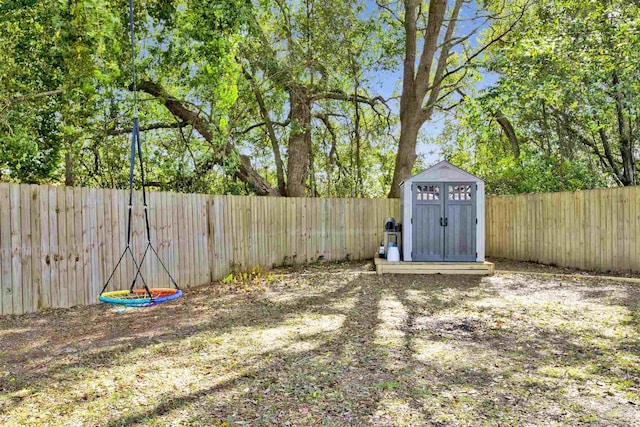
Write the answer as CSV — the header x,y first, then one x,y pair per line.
x,y
283,97
565,102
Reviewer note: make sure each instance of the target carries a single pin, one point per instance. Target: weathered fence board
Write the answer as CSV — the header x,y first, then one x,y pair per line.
x,y
593,229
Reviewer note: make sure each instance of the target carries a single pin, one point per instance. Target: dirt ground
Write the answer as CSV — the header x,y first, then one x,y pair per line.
x,y
336,345
509,265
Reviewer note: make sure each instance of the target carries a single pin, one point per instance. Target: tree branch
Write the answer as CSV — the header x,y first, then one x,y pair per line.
x,y
24,98
176,125
391,11
437,11
245,171
443,59
509,131
333,151
607,158
260,124
341,96
275,144
485,47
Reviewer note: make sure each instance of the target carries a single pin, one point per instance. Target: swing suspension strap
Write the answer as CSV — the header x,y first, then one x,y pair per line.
x,y
136,148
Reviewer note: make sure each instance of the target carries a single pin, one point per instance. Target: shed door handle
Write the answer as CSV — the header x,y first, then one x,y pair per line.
x,y
444,222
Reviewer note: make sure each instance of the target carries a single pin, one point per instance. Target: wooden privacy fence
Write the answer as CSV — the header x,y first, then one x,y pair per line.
x,y
59,244
591,230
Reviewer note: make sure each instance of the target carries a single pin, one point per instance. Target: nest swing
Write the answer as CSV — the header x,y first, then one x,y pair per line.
x,y
144,296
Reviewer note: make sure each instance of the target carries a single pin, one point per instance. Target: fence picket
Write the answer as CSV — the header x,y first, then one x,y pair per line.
x,y
25,248
69,254
79,286
44,292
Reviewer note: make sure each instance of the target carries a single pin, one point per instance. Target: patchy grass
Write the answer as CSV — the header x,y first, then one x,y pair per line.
x,y
336,346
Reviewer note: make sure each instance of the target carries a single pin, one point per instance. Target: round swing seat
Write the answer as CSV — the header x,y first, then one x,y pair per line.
x,y
140,297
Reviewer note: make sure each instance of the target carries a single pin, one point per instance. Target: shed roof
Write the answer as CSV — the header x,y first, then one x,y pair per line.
x,y
443,171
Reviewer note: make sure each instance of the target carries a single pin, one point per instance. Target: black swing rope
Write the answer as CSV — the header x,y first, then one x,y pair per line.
x,y
132,297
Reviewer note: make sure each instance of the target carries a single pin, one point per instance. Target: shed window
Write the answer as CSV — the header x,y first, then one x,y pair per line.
x,y
459,192
428,192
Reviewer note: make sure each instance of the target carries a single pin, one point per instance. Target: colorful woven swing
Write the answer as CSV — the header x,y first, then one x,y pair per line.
x,y
144,296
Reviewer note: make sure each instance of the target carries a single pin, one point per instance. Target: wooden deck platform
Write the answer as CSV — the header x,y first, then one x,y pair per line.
x,y
481,268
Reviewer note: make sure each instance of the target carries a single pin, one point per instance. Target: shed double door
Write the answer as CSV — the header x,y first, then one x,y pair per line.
x,y
444,221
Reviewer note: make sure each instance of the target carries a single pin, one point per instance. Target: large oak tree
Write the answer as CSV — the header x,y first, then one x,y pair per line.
x,y
442,41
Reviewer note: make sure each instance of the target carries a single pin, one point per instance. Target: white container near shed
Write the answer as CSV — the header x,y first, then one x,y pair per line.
x,y
442,210
393,254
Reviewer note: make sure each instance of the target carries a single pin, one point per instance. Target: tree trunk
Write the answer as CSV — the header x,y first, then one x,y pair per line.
x,y
356,128
406,157
508,130
299,140
613,164
415,82
423,80
626,149
68,170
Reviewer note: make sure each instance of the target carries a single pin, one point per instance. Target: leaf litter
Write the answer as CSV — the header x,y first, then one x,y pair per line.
x,y
335,345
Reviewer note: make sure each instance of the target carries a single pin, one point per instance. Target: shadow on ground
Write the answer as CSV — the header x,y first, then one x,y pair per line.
x,y
337,348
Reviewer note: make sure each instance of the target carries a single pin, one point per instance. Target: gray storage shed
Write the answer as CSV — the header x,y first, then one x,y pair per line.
x,y
442,211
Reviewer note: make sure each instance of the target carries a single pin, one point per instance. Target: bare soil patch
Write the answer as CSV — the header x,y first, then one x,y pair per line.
x,y
510,265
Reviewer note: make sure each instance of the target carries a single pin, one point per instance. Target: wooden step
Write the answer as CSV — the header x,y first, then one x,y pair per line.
x,y
480,268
